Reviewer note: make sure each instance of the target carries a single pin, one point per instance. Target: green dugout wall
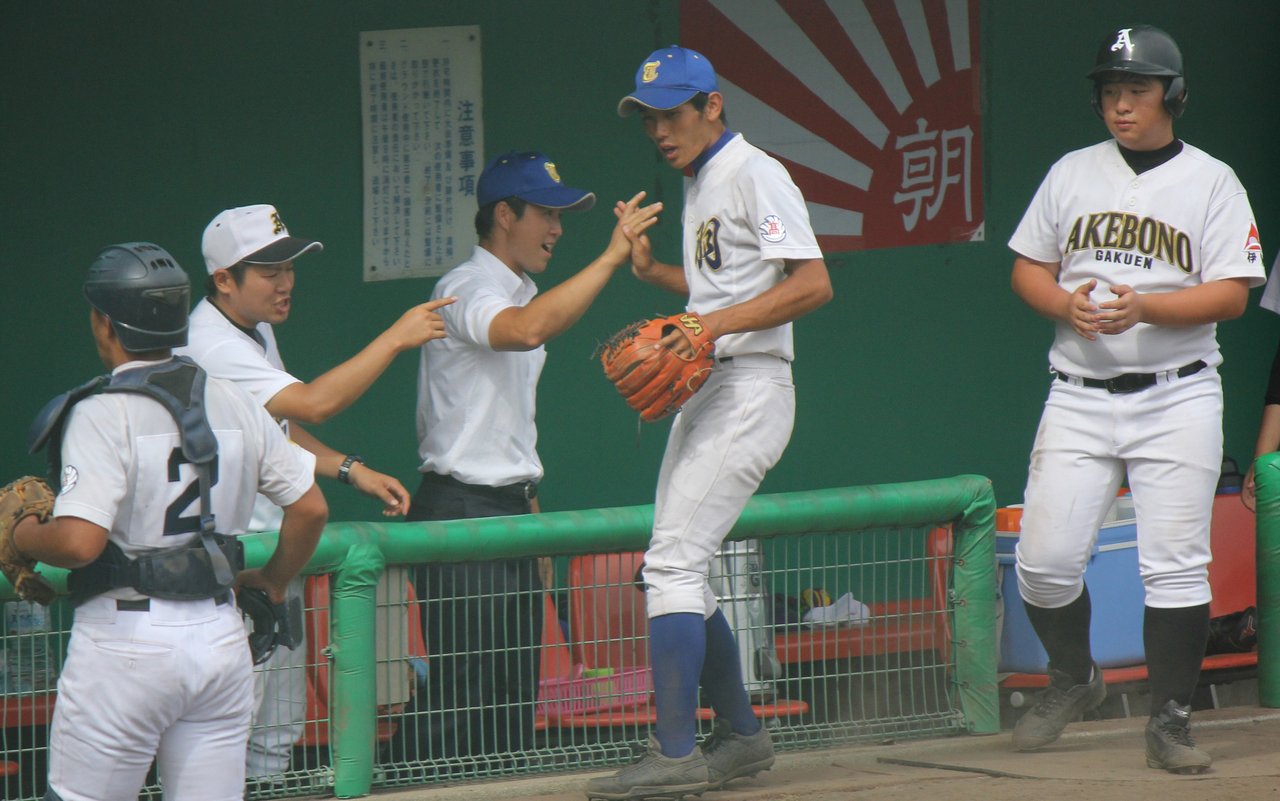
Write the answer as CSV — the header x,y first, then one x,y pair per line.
x,y
142,119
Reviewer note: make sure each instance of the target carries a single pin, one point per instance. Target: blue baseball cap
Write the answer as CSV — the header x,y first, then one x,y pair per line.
x,y
669,77
532,177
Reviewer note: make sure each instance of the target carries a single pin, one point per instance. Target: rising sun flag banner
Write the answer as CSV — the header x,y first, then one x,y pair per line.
x,y
873,106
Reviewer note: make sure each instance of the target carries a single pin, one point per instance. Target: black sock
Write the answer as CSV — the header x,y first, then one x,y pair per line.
x,y
1064,632
1175,641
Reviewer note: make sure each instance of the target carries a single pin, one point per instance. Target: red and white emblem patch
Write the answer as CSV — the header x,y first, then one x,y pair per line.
x,y
1253,242
772,229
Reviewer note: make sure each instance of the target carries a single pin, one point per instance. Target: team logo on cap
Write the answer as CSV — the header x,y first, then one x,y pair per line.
x,y
650,73
1122,40
551,170
772,229
276,224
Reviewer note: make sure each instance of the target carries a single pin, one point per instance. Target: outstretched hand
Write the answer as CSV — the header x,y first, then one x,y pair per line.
x,y
629,240
419,325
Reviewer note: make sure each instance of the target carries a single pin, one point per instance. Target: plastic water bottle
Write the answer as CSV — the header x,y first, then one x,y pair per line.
x,y
26,648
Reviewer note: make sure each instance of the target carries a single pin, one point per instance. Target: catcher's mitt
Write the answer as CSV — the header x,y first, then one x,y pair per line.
x,y
25,496
657,381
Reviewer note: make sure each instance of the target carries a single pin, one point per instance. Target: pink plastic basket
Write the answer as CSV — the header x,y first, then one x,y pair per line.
x,y
623,687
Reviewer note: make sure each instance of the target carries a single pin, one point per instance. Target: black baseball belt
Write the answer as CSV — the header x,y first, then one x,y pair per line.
x,y
1131,382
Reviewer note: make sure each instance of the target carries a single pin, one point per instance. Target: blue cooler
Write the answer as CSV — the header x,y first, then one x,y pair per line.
x,y
1115,590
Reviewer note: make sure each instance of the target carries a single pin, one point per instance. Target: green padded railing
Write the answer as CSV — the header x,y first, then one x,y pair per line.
x,y
356,554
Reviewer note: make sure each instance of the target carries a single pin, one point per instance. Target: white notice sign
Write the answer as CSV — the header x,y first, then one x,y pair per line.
x,y
423,148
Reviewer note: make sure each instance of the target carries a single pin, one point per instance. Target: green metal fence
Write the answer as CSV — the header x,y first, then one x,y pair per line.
x,y
905,649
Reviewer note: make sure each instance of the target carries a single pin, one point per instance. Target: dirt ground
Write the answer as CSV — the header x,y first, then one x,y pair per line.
x,y
1094,761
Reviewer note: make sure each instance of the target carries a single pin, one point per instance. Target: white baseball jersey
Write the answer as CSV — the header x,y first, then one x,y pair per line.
x,y
171,684
476,405
1174,226
743,215
252,360
1183,223
225,350
1270,299
123,468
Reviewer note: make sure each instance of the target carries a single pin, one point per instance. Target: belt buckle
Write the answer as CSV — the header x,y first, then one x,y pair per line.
x,y
530,490
1128,382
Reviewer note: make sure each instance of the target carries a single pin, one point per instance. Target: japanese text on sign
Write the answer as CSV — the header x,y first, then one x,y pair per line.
x,y
423,148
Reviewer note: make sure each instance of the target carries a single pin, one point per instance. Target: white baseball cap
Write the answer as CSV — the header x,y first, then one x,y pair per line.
x,y
252,234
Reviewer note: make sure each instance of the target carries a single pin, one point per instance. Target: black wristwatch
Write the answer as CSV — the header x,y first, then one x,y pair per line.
x,y
344,469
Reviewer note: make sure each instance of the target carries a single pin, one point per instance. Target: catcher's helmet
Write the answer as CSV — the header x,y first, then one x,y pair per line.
x,y
1142,50
145,293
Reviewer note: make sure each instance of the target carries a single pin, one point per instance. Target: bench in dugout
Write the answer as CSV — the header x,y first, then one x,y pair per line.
x,y
603,677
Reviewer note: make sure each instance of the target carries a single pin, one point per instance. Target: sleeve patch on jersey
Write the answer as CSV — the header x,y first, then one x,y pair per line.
x,y
1253,242
772,229
70,477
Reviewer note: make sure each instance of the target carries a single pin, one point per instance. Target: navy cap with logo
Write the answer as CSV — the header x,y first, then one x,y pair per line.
x,y
532,177
669,77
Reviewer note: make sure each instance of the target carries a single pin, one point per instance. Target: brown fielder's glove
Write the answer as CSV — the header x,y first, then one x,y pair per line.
x,y
25,496
657,381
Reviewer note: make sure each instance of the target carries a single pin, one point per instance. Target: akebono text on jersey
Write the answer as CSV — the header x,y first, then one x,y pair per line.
x,y
1118,230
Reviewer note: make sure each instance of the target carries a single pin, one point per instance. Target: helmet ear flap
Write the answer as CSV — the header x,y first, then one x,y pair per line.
x,y
1175,96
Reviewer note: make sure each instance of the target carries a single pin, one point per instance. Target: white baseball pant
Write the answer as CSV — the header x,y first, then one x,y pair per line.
x,y
1169,440
279,703
173,684
720,446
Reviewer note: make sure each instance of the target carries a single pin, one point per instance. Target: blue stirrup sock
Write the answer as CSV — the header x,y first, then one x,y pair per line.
x,y
722,677
677,645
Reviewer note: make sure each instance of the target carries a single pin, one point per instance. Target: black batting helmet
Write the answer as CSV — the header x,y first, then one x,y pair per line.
x,y
1142,50
145,293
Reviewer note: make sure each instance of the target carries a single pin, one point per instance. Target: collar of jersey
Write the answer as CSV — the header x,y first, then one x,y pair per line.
x,y
1141,161
709,153
251,333
136,363
510,280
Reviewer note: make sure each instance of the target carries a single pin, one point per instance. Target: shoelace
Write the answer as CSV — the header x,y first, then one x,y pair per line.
x,y
714,740
1180,735
1050,701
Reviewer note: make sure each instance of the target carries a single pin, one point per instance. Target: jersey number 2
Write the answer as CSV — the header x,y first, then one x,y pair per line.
x,y
174,521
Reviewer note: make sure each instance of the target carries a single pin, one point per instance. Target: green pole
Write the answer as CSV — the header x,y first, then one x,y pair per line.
x,y
1266,472
974,580
353,713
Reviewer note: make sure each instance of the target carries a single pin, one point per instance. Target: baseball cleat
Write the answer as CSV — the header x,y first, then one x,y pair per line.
x,y
1169,743
653,777
733,756
1057,705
